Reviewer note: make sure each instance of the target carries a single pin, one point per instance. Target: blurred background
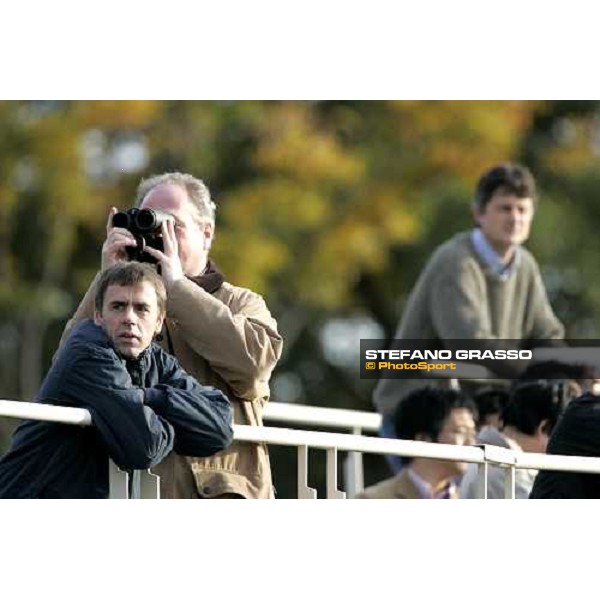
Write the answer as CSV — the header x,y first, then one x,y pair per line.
x,y
329,209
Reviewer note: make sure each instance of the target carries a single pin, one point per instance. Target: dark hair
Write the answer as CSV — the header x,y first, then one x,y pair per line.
x,y
490,401
128,274
529,405
424,411
507,177
555,369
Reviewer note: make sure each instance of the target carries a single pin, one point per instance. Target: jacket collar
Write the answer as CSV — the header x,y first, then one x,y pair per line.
x,y
91,333
211,279
142,360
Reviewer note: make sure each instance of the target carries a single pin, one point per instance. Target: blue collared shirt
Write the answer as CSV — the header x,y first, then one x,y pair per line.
x,y
491,258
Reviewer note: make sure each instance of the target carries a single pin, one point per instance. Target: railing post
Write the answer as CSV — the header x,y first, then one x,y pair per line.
x,y
332,491
482,480
149,485
353,469
117,482
509,482
304,492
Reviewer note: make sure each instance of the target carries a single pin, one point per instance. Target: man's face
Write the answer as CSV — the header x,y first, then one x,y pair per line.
x,y
458,429
506,220
192,235
130,317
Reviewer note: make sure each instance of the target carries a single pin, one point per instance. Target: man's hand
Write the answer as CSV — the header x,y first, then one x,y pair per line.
x,y
114,249
170,263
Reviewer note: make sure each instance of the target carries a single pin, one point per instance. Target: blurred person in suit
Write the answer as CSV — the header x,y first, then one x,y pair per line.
x,y
576,434
429,415
536,401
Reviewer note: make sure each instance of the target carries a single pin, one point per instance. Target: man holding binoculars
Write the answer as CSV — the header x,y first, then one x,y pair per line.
x,y
221,334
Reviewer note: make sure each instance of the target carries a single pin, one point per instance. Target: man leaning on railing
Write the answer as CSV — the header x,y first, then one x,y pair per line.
x,y
142,403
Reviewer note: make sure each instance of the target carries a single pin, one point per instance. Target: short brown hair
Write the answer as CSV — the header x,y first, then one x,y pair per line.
x,y
129,274
510,178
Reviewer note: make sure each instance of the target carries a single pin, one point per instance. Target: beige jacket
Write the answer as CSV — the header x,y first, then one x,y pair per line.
x,y
229,340
398,487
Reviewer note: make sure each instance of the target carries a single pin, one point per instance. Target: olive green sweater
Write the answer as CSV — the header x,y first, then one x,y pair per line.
x,y
458,297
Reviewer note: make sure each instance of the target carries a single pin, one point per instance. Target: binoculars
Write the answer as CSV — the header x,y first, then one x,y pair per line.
x,y
146,226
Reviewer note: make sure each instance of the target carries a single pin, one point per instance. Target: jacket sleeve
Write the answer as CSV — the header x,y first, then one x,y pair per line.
x,y
241,344
201,416
135,436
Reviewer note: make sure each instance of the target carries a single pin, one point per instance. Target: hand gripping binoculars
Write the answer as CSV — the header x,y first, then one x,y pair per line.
x,y
146,226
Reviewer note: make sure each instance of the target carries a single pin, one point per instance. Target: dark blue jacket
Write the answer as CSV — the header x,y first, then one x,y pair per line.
x,y
577,433
141,410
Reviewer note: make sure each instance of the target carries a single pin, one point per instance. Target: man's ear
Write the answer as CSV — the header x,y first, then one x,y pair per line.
x,y
208,231
159,324
543,428
476,212
98,317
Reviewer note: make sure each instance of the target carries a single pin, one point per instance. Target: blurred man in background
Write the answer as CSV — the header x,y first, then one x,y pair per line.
x,y
527,421
480,285
222,334
536,401
429,415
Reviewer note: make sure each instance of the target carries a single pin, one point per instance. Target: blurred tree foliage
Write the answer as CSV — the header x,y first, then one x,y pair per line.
x,y
329,209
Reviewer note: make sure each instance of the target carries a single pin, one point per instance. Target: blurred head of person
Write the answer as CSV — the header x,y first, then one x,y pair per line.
x,y
568,380
531,414
436,415
504,205
490,403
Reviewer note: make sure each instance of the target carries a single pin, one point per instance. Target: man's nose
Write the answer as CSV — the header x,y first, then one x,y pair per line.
x,y
517,215
129,315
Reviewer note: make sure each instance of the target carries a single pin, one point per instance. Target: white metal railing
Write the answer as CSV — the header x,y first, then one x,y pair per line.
x,y
316,416
45,412
331,443
353,421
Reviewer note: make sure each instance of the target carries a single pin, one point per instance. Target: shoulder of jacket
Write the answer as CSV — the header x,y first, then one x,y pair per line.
x,y
233,293
388,488
88,338
528,260
453,257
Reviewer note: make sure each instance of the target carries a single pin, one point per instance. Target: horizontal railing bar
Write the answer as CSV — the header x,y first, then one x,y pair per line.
x,y
555,462
301,414
45,412
349,442
341,441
